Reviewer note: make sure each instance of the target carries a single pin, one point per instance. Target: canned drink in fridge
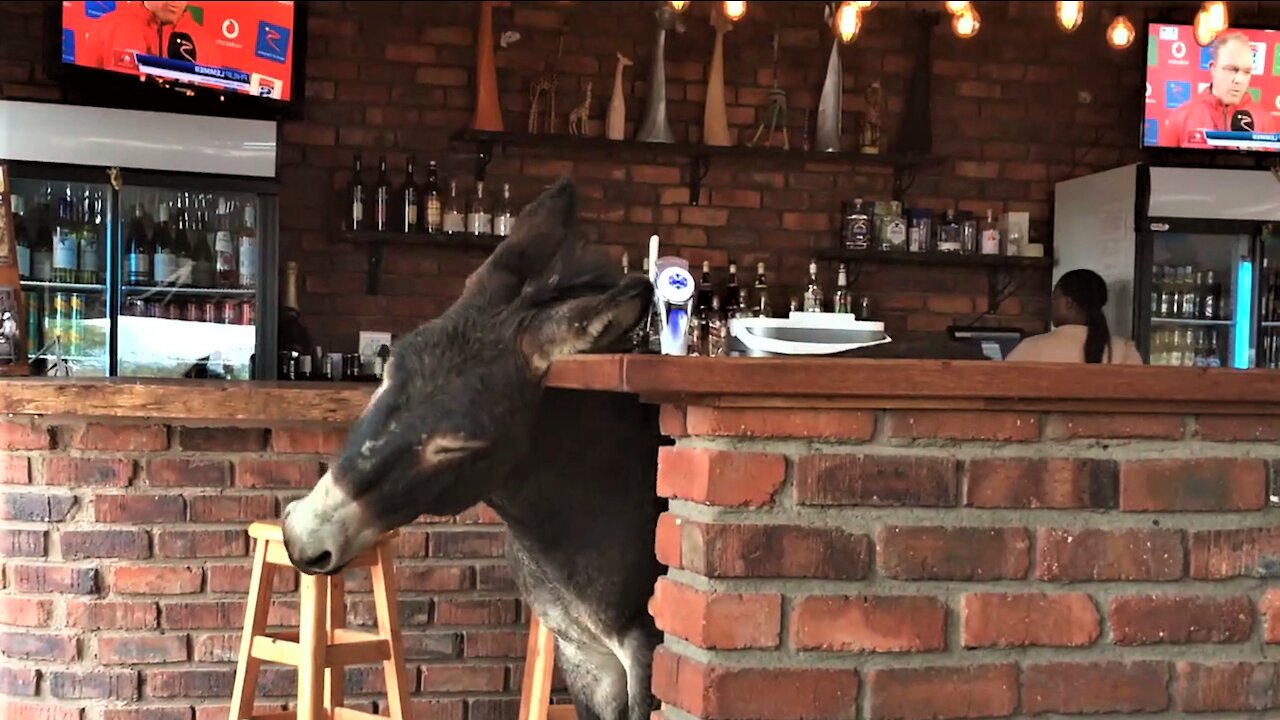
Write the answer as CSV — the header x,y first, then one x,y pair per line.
x,y
228,312
173,311
247,313
75,328
211,311
195,311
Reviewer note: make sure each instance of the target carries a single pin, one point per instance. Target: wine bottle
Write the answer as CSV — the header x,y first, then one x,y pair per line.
x,y
293,338
409,201
432,200
356,196
382,198
164,265
138,250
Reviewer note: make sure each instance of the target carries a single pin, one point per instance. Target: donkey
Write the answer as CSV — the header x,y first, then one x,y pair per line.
x,y
461,417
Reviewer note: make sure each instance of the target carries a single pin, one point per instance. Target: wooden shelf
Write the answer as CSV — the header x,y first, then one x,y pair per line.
x,y
375,239
698,155
462,241
934,258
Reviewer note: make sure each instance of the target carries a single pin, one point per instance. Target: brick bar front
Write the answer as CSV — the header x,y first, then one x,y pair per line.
x,y
843,539
920,540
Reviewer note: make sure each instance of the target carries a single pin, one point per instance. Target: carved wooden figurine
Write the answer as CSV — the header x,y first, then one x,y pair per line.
x,y
871,126
581,115
544,87
488,112
656,127
615,122
715,122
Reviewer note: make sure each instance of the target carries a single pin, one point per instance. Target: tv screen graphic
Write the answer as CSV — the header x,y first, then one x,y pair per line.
x,y
245,48
1225,96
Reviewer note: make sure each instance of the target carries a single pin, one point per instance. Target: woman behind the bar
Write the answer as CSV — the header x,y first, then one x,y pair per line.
x,y
1080,332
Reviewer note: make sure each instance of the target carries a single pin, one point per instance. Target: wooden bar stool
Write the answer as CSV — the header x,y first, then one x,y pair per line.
x,y
539,666
322,644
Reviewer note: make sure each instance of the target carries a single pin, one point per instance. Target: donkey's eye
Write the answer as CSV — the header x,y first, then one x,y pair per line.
x,y
448,447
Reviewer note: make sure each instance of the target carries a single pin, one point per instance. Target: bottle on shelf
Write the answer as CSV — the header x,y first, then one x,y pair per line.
x,y
90,238
164,265
454,219
247,264
66,241
950,234
202,261
433,217
356,197
409,200
840,302
224,246
760,305
382,198
989,234
138,252
893,229
22,237
42,248
813,296
479,218
182,243
293,339
503,220
855,228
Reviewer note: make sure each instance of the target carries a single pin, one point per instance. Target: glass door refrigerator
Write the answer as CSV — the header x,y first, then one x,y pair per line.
x,y
1188,255
145,271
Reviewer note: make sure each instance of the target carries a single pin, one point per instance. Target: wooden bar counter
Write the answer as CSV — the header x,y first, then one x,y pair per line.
x,y
844,539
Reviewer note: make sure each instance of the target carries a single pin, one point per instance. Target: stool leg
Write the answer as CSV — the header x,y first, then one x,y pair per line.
x,y
314,598
335,677
387,607
245,691
539,664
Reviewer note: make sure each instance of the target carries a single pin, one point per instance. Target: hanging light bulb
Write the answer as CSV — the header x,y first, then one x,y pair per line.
x,y
1120,33
1070,14
956,6
848,22
1211,20
965,23
864,4
679,5
735,9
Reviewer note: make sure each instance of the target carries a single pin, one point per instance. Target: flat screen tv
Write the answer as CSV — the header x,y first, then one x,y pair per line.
x,y
236,57
1225,96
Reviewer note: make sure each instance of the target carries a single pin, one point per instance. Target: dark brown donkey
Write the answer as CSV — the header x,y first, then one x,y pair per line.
x,y
462,417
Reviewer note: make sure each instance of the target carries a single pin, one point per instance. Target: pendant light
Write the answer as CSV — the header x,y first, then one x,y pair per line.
x,y
1120,33
1070,14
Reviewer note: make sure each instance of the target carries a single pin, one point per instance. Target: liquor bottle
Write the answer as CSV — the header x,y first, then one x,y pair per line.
x,y
224,246
479,219
356,197
382,198
950,235
989,232
182,246
503,220
453,219
706,290
813,296
717,329
247,267
856,227
21,235
894,229
432,199
203,265
137,251
760,305
164,265
840,299
42,248
733,302
293,339
90,237
66,242
409,200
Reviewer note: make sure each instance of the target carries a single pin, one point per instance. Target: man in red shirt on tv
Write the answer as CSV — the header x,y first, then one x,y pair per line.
x,y
163,29
1226,103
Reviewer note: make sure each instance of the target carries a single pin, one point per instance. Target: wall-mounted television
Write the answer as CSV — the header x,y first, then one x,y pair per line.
x,y
1225,96
222,57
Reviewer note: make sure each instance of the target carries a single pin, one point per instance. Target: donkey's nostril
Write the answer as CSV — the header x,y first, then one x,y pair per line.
x,y
319,562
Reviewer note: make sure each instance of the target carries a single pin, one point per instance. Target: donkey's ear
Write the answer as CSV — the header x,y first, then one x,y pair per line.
x,y
591,324
540,229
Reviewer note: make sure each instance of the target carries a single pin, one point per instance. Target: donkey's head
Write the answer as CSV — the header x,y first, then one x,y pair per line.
x,y
455,409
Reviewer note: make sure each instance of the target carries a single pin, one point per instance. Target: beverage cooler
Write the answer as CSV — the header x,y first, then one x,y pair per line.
x,y
147,242
1190,257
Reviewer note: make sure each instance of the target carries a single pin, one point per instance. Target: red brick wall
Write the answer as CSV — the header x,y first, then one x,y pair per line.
x,y
396,77
124,572
927,564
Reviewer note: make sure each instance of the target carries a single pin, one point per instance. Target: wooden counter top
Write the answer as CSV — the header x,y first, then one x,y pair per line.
x,y
743,382
866,383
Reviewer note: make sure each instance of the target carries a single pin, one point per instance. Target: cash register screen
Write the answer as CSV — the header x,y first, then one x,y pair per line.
x,y
995,343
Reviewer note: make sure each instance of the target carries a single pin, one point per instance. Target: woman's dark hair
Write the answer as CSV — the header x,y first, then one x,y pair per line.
x,y
1088,291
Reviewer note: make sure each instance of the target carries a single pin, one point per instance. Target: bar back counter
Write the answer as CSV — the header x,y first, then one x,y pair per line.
x,y
843,539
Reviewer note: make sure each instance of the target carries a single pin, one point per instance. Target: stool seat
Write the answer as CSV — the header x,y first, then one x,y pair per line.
x,y
322,644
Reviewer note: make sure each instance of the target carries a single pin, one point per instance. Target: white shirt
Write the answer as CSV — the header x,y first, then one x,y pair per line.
x,y
1065,344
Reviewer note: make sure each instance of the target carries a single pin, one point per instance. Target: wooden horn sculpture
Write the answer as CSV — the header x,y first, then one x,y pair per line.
x,y
488,112
830,110
656,127
715,123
